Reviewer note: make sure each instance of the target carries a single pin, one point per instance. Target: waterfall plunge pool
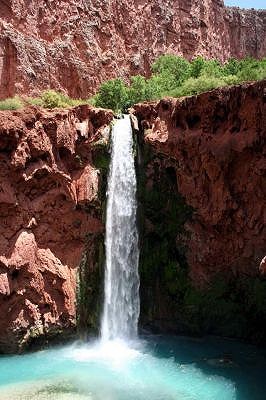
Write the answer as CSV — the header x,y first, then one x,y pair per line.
x,y
152,368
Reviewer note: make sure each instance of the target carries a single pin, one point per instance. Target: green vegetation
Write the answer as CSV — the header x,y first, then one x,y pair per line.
x,y
166,212
53,99
171,76
11,104
48,99
228,306
175,76
89,285
112,94
176,69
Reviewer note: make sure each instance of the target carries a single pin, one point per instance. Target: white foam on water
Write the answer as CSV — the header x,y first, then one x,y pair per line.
x,y
112,370
123,372
115,353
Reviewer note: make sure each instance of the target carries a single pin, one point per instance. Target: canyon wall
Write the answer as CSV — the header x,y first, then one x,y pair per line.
x,y
50,219
202,194
201,176
73,46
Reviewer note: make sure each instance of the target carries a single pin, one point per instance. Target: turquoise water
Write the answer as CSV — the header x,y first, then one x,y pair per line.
x,y
155,368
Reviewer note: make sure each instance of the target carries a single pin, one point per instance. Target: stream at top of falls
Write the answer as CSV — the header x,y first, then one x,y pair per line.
x,y
120,365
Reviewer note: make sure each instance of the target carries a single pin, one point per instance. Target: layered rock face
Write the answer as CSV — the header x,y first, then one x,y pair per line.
x,y
49,205
75,45
204,165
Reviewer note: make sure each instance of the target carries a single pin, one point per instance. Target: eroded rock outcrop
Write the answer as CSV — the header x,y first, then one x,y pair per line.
x,y
49,203
204,165
74,46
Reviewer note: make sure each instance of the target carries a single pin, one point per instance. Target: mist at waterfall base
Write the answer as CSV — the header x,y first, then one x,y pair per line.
x,y
154,368
120,365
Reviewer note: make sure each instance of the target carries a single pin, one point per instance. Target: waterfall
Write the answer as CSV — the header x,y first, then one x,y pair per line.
x,y
121,289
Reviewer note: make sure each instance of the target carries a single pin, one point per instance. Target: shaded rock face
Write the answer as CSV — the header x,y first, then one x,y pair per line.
x,y
49,203
74,46
207,154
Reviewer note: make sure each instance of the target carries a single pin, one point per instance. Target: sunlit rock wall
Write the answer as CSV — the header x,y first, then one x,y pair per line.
x,y
75,45
50,214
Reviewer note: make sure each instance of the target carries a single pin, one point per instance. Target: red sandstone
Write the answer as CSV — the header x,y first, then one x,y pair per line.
x,y
216,143
46,180
73,46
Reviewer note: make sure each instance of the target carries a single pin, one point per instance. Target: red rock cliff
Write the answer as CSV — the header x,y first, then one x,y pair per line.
x,y
212,146
49,202
202,212
216,144
75,45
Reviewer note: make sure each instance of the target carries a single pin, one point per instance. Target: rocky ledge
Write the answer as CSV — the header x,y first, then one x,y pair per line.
x,y
49,204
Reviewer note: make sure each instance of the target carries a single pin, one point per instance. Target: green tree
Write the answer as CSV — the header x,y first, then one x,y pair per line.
x,y
160,85
197,65
198,85
139,90
175,76
176,68
112,94
251,69
212,68
232,67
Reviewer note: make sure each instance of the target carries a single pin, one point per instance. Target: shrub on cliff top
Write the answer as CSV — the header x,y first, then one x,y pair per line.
x,y
53,99
112,94
48,99
13,103
251,69
196,66
138,90
174,76
35,101
198,85
176,68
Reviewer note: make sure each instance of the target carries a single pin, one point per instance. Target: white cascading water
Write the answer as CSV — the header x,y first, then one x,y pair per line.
x,y
121,303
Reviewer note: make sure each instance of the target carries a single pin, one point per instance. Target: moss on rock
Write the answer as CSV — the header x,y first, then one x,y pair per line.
x,y
91,269
90,285
233,306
